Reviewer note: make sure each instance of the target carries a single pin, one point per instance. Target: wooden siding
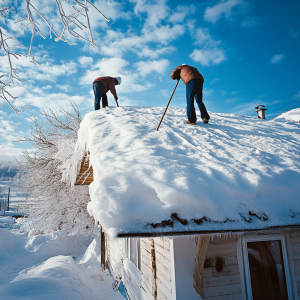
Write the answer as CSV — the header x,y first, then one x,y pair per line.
x,y
163,268
226,284
295,245
114,256
85,175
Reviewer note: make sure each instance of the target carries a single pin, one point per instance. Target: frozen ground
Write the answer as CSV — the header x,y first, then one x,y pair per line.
x,y
227,171
51,267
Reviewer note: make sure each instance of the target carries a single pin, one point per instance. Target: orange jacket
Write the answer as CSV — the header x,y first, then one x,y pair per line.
x,y
186,73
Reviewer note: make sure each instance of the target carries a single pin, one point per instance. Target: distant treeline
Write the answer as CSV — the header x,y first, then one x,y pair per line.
x,y
9,171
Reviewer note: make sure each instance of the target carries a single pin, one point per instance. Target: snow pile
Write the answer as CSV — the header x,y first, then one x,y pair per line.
x,y
231,169
42,267
291,116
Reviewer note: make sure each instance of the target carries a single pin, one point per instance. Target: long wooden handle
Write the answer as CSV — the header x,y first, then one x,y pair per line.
x,y
167,105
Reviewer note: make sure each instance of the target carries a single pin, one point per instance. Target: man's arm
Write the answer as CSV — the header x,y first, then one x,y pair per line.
x,y
176,73
112,88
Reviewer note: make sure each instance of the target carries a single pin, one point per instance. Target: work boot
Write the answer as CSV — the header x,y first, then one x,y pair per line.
x,y
188,122
205,121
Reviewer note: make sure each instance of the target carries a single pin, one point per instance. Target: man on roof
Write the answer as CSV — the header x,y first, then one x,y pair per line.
x,y
101,86
193,80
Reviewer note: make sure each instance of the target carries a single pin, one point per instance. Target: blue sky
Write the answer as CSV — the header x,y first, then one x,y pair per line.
x,y
247,51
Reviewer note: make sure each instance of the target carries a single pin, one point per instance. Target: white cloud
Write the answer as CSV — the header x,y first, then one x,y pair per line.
x,y
7,126
146,67
210,53
116,67
214,13
208,57
277,58
85,60
45,72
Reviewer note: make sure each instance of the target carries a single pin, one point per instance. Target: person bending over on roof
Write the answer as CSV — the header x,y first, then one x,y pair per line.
x,y
193,80
101,85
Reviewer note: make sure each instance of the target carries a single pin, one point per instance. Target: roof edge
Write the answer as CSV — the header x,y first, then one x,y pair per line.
x,y
194,232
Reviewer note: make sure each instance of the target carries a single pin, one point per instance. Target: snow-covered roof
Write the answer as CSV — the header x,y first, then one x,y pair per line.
x,y
235,173
291,116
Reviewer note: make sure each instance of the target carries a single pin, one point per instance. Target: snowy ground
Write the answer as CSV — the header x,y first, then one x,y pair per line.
x,y
51,267
226,170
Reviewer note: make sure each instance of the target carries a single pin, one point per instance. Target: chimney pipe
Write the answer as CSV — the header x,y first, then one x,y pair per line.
x,y
260,111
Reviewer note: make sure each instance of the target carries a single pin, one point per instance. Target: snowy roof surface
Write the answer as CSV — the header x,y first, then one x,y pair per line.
x,y
235,173
291,116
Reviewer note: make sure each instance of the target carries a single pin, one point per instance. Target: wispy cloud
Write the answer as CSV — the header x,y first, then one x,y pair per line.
x,y
214,13
251,22
277,58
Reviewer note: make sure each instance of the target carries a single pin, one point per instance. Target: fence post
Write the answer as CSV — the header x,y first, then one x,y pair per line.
x,y
8,199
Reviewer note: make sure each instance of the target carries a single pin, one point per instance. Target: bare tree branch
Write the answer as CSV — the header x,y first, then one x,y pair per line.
x,y
71,24
55,205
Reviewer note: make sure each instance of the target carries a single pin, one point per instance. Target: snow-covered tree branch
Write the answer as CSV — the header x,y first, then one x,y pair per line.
x,y
74,24
55,205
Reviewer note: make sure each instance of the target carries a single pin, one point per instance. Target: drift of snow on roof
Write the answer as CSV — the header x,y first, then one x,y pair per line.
x,y
223,172
291,116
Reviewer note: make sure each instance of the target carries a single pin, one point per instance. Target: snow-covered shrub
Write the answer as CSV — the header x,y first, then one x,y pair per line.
x,y
54,205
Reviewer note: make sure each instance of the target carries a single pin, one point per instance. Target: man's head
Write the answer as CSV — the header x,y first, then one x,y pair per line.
x,y
118,80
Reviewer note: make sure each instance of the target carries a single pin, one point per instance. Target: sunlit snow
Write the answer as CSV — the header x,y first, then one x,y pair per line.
x,y
222,170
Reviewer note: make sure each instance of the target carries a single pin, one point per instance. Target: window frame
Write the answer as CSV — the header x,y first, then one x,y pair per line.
x,y
247,277
137,263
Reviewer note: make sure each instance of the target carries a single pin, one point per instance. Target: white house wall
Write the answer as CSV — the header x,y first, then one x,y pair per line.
x,y
184,260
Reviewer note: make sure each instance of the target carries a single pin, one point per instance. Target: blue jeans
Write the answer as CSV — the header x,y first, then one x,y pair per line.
x,y
98,92
194,90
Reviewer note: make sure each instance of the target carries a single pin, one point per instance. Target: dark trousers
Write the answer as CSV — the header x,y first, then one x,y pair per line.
x,y
194,90
98,92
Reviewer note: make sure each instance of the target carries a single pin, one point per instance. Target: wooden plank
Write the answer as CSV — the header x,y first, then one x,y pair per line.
x,y
207,272
295,233
227,271
146,241
163,252
163,242
164,276
222,290
221,280
229,249
162,261
163,289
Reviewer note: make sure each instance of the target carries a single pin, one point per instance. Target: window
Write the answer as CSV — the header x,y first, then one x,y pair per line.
x,y
133,251
266,268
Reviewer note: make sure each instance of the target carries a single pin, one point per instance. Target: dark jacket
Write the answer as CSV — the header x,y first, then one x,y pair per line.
x,y
108,84
186,73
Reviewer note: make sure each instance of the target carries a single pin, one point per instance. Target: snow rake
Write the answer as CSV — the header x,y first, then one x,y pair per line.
x,y
168,104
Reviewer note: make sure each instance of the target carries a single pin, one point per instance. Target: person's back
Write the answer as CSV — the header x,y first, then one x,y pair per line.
x,y
186,73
